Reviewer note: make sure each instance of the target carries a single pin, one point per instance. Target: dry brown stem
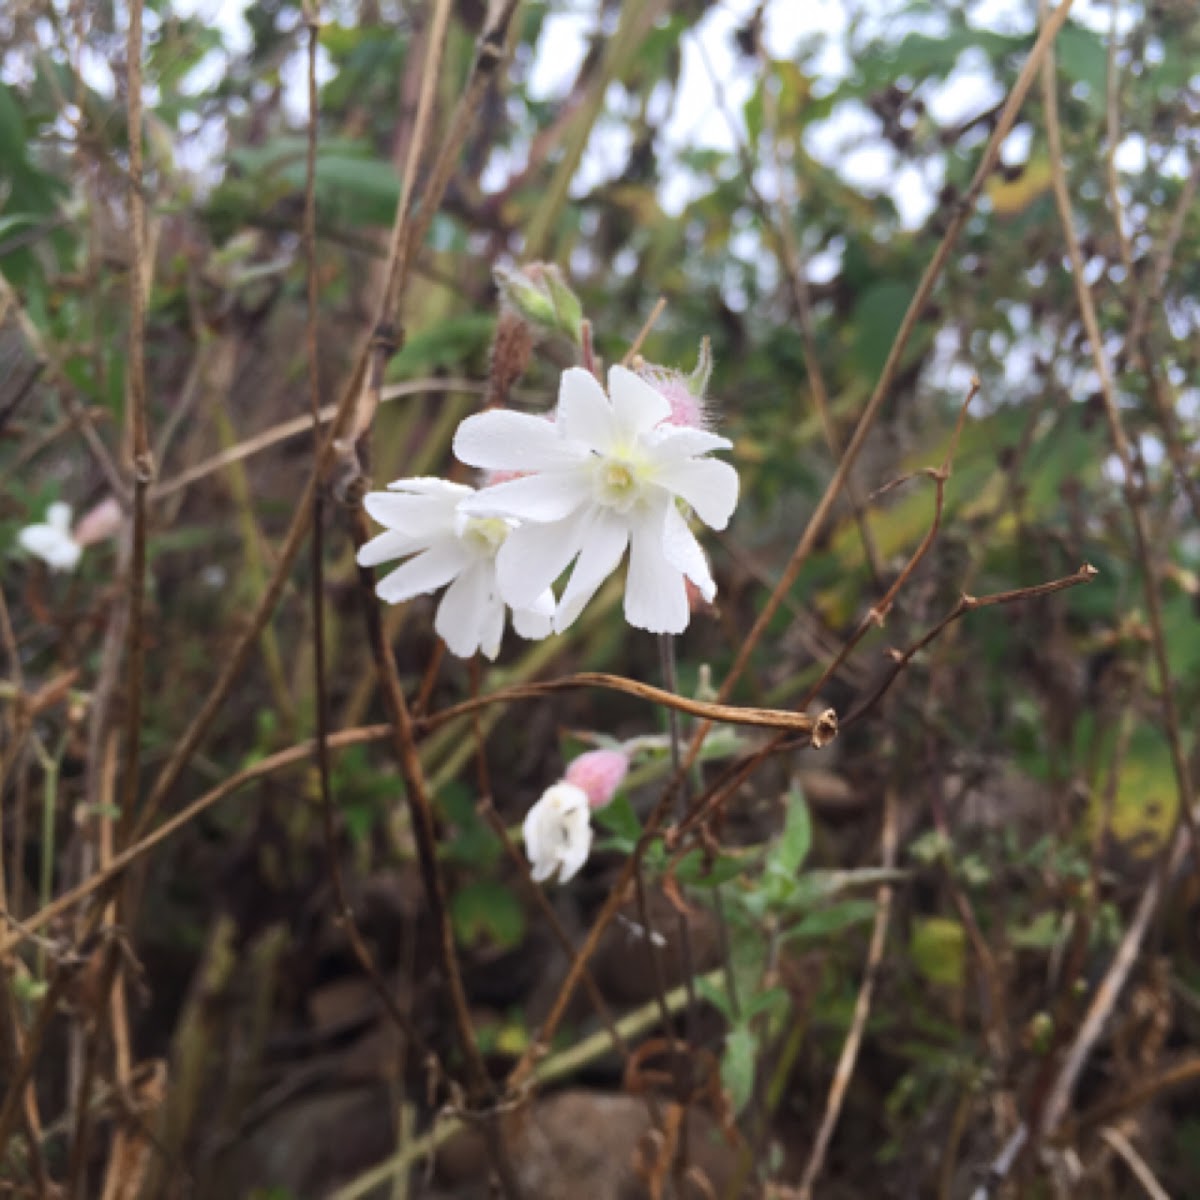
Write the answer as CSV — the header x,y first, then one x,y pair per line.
x,y
862,1008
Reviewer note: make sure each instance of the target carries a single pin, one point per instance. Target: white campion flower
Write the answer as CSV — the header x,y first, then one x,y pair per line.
x,y
424,521
605,475
558,832
52,541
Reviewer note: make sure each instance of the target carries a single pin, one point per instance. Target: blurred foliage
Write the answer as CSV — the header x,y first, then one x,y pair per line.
x,y
1026,744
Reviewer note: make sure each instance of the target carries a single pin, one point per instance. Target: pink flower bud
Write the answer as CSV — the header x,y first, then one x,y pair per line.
x,y
98,524
598,774
687,411
684,393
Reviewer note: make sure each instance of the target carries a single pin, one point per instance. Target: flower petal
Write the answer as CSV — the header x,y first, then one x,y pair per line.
x,y
56,548
390,544
637,406
683,551
425,573
534,556
584,413
669,443
575,854
501,440
430,485
58,516
549,496
603,539
492,631
558,832
537,621
426,515
468,611
707,484
655,596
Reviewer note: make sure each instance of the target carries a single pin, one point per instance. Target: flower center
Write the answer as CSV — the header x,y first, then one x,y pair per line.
x,y
484,535
619,483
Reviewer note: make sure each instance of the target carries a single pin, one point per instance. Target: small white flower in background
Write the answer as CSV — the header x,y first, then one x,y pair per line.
x,y
558,833
52,541
605,476
424,521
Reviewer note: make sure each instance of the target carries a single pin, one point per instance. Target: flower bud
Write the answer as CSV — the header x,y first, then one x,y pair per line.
x,y
598,774
540,295
99,523
685,393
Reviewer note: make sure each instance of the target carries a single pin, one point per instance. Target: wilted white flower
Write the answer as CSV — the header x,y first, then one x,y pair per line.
x,y
558,832
425,522
52,541
606,475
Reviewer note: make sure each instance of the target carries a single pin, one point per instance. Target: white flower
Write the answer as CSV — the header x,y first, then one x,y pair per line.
x,y
52,542
558,832
424,521
606,475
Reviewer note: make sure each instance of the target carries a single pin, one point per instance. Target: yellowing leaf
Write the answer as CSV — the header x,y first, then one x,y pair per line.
x,y
1011,196
938,950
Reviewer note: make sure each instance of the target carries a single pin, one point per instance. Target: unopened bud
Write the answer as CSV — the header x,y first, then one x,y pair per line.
x,y
99,523
598,774
685,393
539,293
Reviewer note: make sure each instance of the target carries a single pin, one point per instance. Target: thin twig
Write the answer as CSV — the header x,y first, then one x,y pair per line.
x,y
345,912
1125,1150
891,367
636,345
1110,987
419,801
862,1006
296,426
549,1070
1133,497
877,613
901,658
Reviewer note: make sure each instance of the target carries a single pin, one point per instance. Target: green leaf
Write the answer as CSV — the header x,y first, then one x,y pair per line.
x,y
1040,934
486,911
716,995
695,870
876,321
12,131
621,822
774,1001
472,844
833,919
1082,58
449,343
738,1066
789,852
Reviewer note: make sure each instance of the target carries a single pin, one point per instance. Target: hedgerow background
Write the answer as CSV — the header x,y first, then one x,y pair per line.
x,y
947,270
